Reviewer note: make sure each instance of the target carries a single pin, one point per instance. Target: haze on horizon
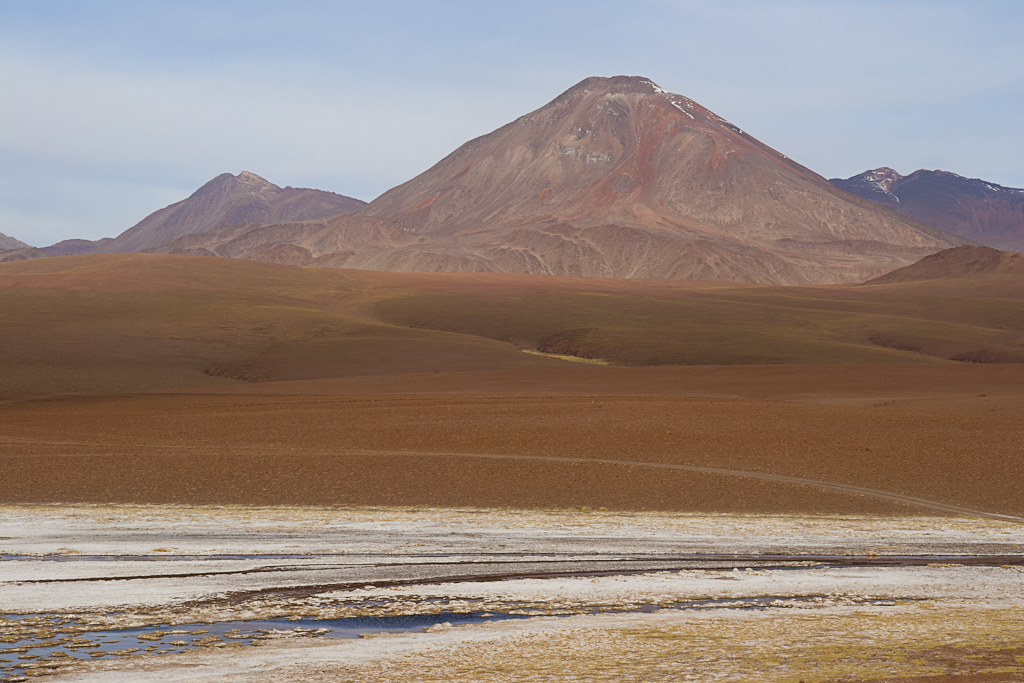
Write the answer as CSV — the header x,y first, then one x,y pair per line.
x,y
115,109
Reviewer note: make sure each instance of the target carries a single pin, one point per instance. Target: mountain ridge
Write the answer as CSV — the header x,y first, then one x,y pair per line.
x,y
981,211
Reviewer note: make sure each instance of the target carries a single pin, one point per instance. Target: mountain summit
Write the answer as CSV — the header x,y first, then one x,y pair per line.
x,y
616,177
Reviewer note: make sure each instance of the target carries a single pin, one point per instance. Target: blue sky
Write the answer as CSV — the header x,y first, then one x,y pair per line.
x,y
110,110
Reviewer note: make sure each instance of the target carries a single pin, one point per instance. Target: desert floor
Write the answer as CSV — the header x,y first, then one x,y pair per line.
x,y
808,438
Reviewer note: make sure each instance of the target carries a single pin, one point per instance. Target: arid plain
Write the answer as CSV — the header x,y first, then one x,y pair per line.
x,y
625,479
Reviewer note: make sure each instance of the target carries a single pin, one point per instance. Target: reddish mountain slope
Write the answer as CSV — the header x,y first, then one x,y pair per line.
x,y
619,178
229,200
982,212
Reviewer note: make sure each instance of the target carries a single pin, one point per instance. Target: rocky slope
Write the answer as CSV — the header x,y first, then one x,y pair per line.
x,y
616,177
981,211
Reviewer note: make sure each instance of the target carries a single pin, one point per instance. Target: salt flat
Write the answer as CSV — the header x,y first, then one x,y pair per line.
x,y
491,594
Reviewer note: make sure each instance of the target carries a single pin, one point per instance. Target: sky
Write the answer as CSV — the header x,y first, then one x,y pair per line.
x,y
110,110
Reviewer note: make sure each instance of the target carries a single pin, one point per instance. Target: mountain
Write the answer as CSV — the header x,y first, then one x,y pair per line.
x,y
957,262
225,200
981,211
16,250
23,254
616,177
75,247
7,243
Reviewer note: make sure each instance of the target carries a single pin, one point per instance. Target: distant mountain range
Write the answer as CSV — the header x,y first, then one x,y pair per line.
x,y
616,177
225,200
983,212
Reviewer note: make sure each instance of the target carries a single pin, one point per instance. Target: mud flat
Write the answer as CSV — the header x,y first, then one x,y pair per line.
x,y
233,593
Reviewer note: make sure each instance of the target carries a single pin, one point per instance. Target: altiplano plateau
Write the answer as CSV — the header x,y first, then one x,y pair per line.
x,y
615,392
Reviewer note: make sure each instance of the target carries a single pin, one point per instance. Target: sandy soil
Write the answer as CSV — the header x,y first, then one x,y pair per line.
x,y
948,437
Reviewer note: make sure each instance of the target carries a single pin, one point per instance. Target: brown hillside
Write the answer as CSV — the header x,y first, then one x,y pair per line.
x,y
149,321
957,262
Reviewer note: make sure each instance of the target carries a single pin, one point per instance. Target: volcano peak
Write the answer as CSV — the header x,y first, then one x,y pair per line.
x,y
617,84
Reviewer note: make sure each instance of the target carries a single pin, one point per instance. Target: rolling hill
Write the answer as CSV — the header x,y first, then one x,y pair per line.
x,y
958,262
128,322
